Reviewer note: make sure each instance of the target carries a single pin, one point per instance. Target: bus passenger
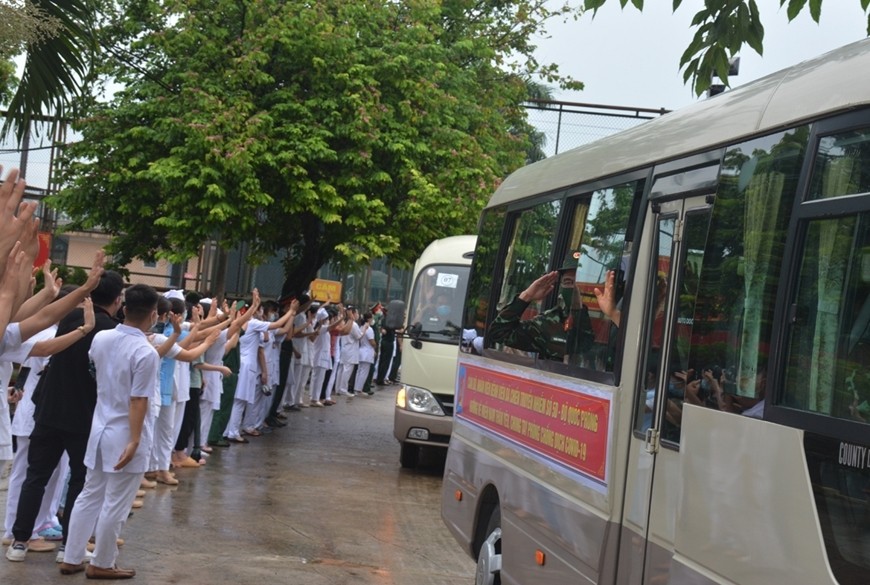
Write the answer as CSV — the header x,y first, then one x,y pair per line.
x,y
561,331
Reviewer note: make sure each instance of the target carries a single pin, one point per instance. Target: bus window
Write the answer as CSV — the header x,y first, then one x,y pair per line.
x,y
664,244
829,347
574,329
527,257
436,302
685,383
842,165
481,279
726,324
599,233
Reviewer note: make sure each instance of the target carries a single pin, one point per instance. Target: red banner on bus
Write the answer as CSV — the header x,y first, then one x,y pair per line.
x,y
565,425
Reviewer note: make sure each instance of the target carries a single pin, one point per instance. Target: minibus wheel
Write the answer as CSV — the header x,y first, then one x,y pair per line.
x,y
409,455
489,558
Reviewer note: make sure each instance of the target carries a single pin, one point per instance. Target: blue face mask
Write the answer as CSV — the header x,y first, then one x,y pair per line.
x,y
443,310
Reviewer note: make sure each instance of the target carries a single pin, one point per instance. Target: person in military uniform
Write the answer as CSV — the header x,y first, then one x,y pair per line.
x,y
564,332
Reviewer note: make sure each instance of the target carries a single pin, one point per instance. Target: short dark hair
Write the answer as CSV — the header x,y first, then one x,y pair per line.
x,y
179,307
139,301
109,289
163,306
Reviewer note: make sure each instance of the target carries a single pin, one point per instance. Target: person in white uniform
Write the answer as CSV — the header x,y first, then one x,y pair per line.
x,y
367,345
303,327
213,369
126,367
321,356
164,438
351,333
252,371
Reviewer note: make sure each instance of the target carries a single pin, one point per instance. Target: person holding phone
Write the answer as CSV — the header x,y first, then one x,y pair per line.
x,y
563,331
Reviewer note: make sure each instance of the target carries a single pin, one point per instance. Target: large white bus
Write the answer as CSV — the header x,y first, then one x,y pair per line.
x,y
708,423
424,404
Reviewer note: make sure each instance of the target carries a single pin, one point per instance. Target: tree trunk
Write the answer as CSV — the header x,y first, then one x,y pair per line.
x,y
220,273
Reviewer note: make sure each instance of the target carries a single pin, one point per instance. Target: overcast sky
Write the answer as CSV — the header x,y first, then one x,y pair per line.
x,y
629,58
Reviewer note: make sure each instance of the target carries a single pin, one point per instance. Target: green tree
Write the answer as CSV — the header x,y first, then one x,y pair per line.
x,y
722,29
537,140
56,37
323,131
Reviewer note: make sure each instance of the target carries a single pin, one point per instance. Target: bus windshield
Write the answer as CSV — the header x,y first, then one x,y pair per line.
x,y
436,303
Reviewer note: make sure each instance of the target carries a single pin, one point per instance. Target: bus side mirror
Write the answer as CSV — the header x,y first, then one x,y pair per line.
x,y
415,332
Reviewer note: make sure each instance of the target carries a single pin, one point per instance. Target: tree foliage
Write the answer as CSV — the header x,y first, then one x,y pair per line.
x,y
56,37
323,131
722,28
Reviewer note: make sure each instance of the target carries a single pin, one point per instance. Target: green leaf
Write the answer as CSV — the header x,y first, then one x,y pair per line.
x,y
677,4
794,8
698,43
816,9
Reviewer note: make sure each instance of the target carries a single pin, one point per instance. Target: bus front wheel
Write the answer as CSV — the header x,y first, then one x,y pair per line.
x,y
489,558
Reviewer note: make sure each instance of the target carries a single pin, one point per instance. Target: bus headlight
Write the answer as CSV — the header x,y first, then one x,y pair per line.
x,y
418,400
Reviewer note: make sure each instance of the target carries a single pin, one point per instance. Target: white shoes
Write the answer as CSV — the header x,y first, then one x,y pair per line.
x,y
17,551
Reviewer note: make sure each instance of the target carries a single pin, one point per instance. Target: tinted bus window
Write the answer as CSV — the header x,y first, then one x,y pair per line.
x,y
728,332
842,165
480,282
436,302
569,326
829,349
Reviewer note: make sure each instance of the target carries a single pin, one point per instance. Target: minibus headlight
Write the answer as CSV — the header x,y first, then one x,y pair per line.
x,y
420,400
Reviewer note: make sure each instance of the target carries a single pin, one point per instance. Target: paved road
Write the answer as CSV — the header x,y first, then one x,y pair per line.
x,y
322,501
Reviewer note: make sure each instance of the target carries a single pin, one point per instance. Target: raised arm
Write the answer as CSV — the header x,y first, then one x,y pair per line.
x,y
9,286
287,328
41,299
11,224
60,343
188,355
607,298
240,320
58,309
26,281
176,321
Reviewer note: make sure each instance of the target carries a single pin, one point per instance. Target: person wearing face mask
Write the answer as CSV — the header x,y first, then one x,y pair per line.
x,y
253,372
562,331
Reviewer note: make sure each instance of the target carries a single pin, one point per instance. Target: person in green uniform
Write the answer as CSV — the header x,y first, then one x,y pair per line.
x,y
561,332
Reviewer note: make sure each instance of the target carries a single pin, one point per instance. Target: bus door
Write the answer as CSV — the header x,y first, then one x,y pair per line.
x,y
676,230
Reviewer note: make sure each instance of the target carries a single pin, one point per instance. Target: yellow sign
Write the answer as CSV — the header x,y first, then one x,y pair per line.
x,y
325,290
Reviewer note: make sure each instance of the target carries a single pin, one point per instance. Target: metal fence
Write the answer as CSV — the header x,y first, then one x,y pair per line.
x,y
567,125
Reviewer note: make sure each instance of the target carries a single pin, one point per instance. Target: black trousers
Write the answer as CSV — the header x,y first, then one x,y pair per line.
x,y
190,424
47,445
386,355
285,358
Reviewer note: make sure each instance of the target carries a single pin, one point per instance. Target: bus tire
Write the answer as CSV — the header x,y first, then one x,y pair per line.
x,y
409,455
488,570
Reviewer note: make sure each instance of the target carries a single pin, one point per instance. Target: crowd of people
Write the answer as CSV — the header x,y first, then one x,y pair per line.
x,y
118,385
